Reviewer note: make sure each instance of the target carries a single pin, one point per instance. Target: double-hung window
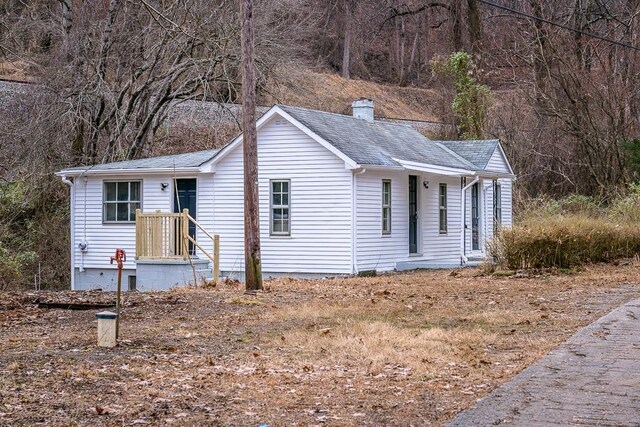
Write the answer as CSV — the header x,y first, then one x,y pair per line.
x,y
120,199
497,206
442,207
280,215
386,206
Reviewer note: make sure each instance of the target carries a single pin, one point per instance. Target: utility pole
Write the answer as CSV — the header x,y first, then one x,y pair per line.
x,y
252,262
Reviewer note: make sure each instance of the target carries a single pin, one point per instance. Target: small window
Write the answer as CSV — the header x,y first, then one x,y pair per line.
x,y
120,200
442,203
386,206
280,208
497,206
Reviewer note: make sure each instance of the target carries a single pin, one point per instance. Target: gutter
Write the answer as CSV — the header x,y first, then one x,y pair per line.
x,y
72,227
136,171
463,217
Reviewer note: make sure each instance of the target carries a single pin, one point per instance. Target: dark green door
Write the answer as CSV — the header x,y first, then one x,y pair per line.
x,y
475,218
185,198
413,214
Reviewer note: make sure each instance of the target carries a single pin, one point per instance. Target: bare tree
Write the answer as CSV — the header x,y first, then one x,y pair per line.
x,y
346,48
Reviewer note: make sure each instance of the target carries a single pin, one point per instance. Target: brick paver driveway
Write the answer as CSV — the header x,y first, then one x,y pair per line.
x,y
592,379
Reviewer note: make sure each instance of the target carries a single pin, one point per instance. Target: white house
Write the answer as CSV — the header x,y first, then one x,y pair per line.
x,y
338,195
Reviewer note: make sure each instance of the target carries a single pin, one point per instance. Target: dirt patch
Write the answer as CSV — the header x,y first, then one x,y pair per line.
x,y
398,349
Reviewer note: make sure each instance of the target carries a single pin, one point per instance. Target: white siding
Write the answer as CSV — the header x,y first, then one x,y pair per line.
x,y
497,162
204,213
382,252
441,247
507,209
507,202
320,240
375,251
104,239
488,209
485,217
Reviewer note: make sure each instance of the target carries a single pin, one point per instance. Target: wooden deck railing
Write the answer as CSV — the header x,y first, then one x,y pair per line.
x,y
165,236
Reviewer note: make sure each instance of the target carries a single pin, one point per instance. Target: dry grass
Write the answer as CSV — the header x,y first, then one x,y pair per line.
x,y
244,300
16,70
571,232
399,349
567,241
330,92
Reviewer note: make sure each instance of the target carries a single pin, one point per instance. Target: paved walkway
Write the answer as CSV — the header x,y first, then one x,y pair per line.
x,y
593,379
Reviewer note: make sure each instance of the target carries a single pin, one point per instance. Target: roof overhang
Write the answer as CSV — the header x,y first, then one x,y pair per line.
x,y
137,171
449,171
434,169
494,175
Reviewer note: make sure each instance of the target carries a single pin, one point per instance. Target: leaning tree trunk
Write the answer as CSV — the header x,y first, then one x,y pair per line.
x,y
252,263
455,11
475,31
346,49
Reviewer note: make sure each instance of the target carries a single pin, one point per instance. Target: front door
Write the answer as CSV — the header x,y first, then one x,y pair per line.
x,y
413,214
475,219
185,198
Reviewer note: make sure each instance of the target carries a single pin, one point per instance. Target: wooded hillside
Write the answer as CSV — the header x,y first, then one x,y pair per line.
x,y
562,78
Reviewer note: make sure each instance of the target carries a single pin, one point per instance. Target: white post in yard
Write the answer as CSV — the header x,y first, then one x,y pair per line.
x,y
106,329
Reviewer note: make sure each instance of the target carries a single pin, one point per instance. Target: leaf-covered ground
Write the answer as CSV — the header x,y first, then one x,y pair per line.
x,y
398,349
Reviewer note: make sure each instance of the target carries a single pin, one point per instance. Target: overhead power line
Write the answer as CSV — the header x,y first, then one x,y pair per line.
x,y
556,24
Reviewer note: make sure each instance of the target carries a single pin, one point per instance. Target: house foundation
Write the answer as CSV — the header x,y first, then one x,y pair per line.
x,y
162,275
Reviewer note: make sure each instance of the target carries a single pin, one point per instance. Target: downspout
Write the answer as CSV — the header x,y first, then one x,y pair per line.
x,y
83,243
463,217
72,227
354,219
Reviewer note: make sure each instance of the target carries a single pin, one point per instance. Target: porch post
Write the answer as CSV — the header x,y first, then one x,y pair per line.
x,y
185,234
138,233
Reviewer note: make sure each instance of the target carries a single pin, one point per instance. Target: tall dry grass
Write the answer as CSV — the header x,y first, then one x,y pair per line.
x,y
388,334
571,232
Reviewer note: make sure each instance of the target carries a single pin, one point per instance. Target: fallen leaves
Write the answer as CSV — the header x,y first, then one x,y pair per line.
x,y
218,357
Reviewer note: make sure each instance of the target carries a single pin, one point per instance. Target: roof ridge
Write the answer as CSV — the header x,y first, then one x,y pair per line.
x,y
384,120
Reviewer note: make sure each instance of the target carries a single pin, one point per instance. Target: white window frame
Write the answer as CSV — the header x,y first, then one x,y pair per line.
x,y
130,210
442,209
386,208
273,207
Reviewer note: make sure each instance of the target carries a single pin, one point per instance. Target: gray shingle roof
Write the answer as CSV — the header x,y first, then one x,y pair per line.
x,y
478,152
376,143
178,161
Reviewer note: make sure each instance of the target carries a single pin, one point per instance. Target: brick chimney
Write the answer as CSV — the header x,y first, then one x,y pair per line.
x,y
363,109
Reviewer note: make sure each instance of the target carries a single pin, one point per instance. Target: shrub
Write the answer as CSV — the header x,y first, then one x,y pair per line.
x,y
472,98
570,232
627,208
565,241
33,228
